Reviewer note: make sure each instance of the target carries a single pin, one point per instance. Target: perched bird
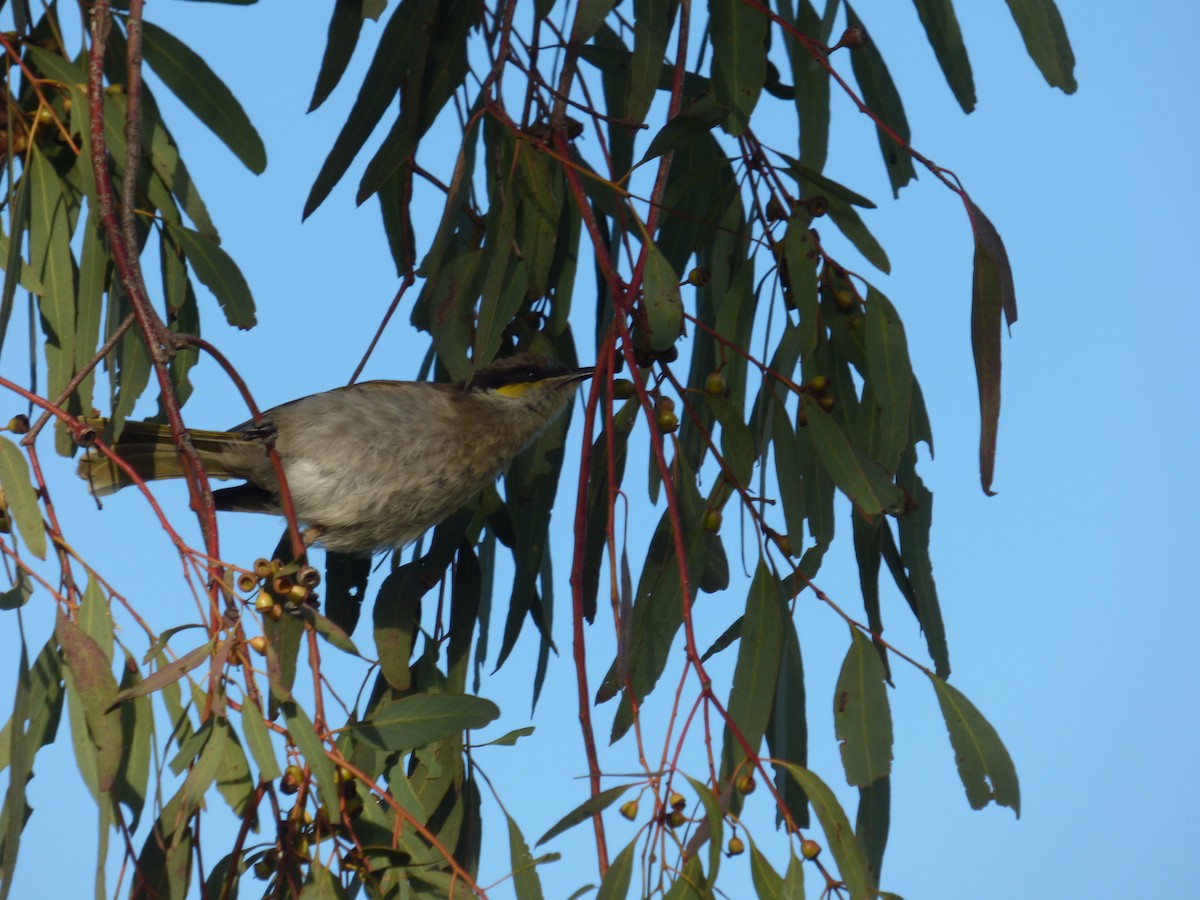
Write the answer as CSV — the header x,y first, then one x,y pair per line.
x,y
369,466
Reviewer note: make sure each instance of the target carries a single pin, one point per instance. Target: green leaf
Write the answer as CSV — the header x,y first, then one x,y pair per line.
x,y
739,65
941,27
800,254
849,222
588,19
525,878
328,630
653,20
344,29
345,588
507,740
421,719
204,93
819,185
21,498
890,375
663,303
258,739
1045,36
861,716
787,730
768,884
93,681
872,822
309,743
914,527
18,222
881,97
810,82
397,46
219,273
233,776
710,830
21,750
321,884
397,609
584,811
619,876
839,459
992,291
757,670
986,769
168,673
839,836
695,120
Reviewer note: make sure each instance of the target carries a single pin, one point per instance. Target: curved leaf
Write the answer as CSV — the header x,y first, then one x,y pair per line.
x,y
839,836
1046,40
421,719
941,27
861,716
204,93
986,769
21,498
219,273
584,811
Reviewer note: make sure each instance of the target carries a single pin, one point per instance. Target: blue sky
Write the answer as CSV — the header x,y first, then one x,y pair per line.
x,y
1068,601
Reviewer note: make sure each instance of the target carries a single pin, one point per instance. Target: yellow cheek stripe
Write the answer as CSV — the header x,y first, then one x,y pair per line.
x,y
514,391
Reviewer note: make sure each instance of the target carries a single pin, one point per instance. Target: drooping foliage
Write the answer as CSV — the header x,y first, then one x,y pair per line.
x,y
638,184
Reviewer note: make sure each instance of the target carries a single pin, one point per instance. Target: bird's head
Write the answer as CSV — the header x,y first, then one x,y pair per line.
x,y
530,380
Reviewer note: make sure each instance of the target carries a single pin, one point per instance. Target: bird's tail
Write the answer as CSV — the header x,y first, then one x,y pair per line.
x,y
150,451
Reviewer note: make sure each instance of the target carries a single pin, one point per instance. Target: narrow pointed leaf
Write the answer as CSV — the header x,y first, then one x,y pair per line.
x,y
168,673
219,273
839,836
986,769
1041,26
839,459
584,811
664,305
258,739
861,716
891,376
880,94
941,27
525,878
306,739
421,719
739,67
992,292
21,497
757,670
619,876
203,92
344,28
93,679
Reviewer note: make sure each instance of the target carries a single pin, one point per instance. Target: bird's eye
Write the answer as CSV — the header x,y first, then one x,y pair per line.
x,y
531,374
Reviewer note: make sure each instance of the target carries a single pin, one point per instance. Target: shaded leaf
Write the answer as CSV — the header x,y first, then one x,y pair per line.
x,y
890,375
663,303
839,459
525,878
695,120
219,273
421,719
619,876
881,97
1045,36
992,291
739,64
872,822
258,739
861,716
652,27
941,27
839,836
757,670
93,681
168,673
584,811
204,93
914,527
344,28
309,743
768,884
787,730
986,769
21,498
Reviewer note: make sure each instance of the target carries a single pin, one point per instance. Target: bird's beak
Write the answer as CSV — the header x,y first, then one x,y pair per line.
x,y
581,374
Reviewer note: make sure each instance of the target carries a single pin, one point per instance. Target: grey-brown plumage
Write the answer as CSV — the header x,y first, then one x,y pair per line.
x,y
369,466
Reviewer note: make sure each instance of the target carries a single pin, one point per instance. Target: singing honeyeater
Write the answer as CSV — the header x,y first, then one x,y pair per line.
x,y
369,466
